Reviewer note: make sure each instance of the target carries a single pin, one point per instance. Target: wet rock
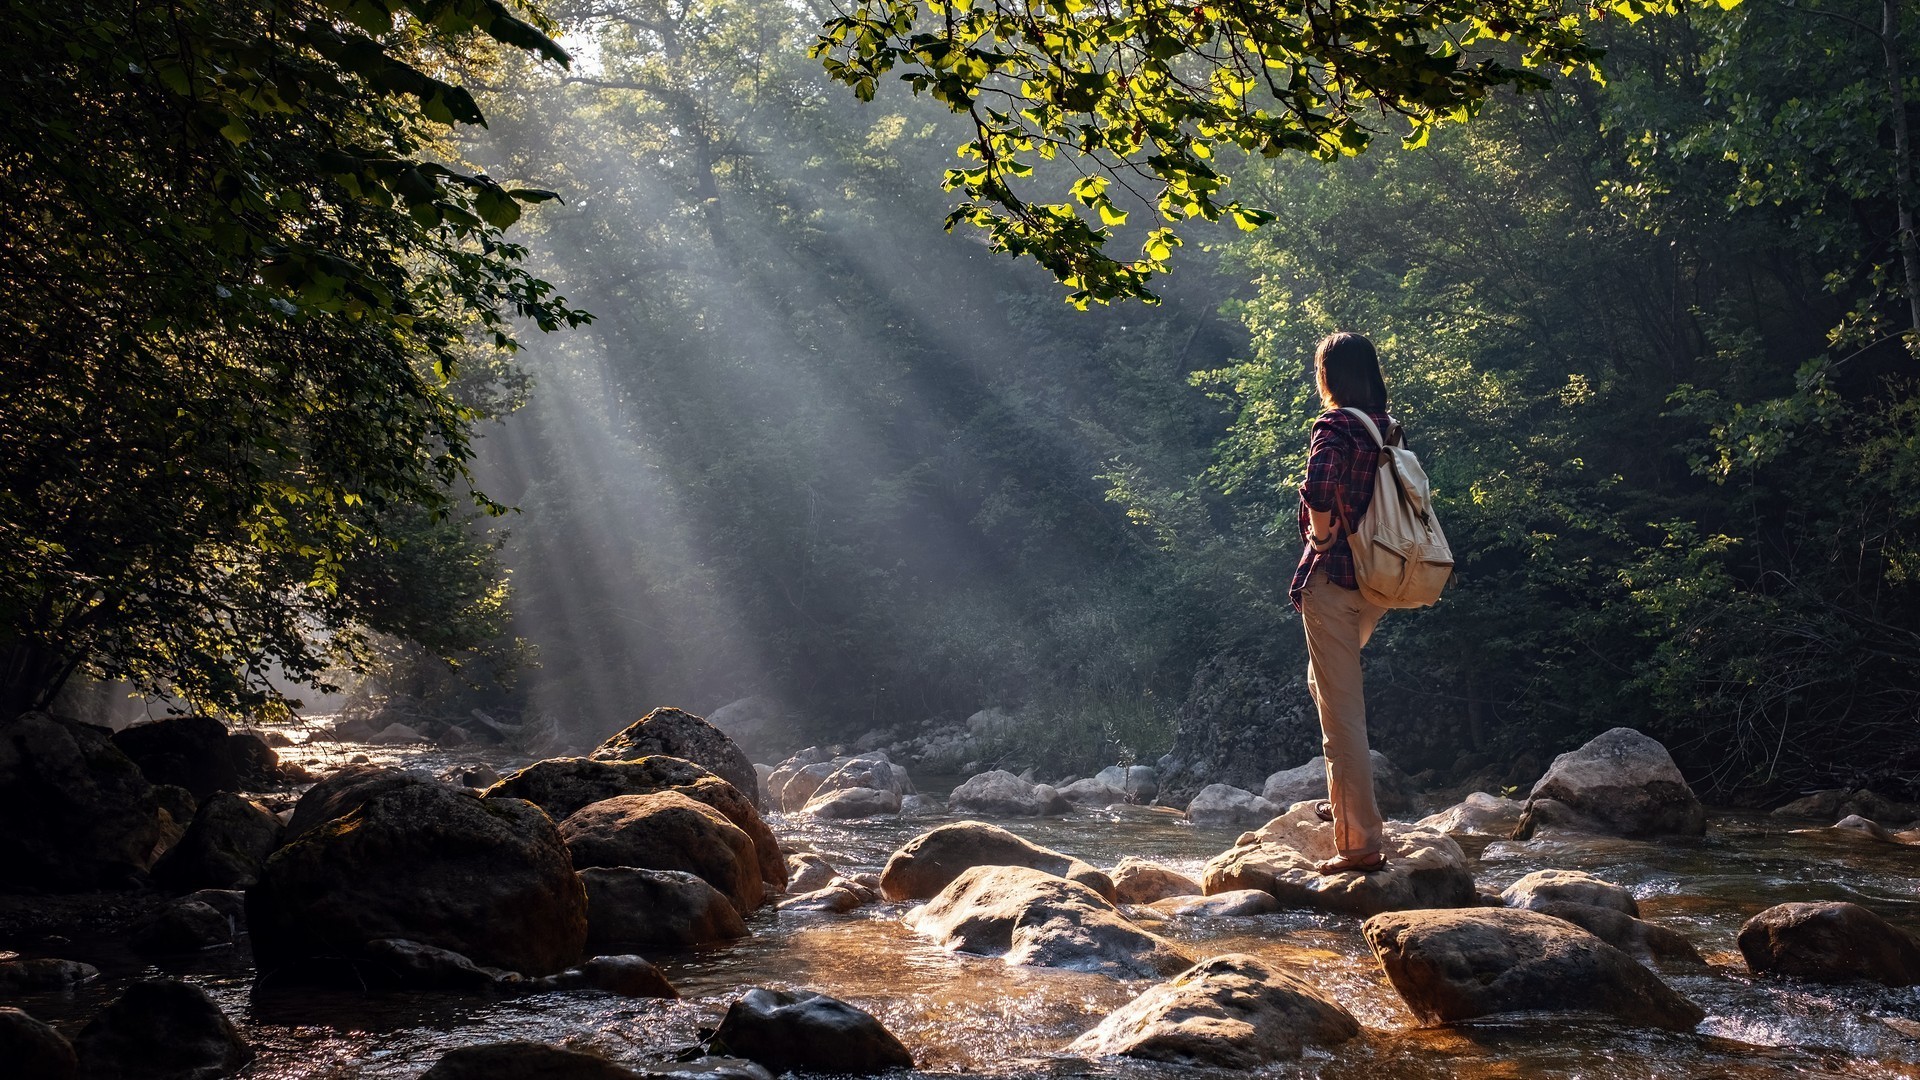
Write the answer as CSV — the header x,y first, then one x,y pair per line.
x,y
75,812
677,733
519,1060
1222,804
920,806
1479,814
808,872
255,763
1392,791
1139,881
839,896
489,879
670,908
1570,887
345,790
626,976
1865,829
785,772
184,926
224,848
564,786
197,753
161,1030
668,831
481,777
43,976
398,963
1621,783
807,1032
1092,791
229,902
931,861
871,771
1635,937
34,1050
1240,902
1450,966
1026,916
848,803
1231,1012
1829,942
1835,803
1002,794
397,735
1424,869
710,1067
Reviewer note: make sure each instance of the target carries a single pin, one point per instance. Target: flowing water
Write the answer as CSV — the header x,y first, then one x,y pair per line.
x,y
961,1014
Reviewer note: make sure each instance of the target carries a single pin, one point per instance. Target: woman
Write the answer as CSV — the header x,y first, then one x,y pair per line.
x,y
1342,460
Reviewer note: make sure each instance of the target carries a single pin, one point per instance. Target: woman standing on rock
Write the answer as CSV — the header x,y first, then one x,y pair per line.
x,y
1341,462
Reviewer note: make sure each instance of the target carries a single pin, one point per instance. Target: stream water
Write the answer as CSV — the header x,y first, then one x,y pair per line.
x,y
962,1014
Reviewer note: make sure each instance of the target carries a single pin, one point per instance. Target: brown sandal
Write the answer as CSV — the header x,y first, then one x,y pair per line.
x,y
1323,810
1347,864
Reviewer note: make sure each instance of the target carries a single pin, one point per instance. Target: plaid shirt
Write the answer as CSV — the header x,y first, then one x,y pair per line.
x,y
1342,458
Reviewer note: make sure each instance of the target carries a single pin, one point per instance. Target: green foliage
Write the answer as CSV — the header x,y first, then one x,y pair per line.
x,y
1148,101
242,280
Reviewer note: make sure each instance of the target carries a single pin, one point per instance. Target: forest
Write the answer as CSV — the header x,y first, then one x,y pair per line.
x,y
1649,323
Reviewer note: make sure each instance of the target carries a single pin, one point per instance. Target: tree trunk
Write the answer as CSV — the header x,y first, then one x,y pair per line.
x,y
1903,164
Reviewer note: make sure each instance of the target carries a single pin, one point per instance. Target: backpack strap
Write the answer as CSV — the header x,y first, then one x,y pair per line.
x,y
1373,429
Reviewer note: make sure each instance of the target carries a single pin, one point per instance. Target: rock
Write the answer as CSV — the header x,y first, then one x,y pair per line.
x,y
229,902
1621,783
808,872
489,879
1026,916
849,803
839,896
342,792
224,848
161,1030
759,725
709,1068
481,777
1836,803
1138,783
397,735
1240,902
626,976
1424,869
75,812
1635,937
1003,794
783,774
1222,804
1865,828
1238,724
1457,965
1829,942
871,771
197,753
669,908
184,926
1231,1012
681,734
272,737
807,1032
44,975
1479,814
520,1060
1138,881
564,786
34,1050
398,963
1092,791
992,724
1571,887
255,763
920,806
931,861
178,803
1392,791
668,831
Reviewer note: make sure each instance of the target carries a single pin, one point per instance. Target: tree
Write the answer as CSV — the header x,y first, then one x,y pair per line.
x,y
242,280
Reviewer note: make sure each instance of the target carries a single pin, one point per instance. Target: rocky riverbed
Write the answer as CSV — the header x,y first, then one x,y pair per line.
x,y
995,1010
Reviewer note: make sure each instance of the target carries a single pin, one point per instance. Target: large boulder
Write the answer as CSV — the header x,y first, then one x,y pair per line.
x,y
1829,942
1450,966
1227,905
489,879
668,831
625,975
161,1030
199,754
1001,794
1392,791
807,872
929,862
224,848
564,786
1634,936
627,905
1229,1012
33,1050
1092,791
1570,887
871,771
1479,814
1026,916
848,803
75,812
519,1060
1140,881
784,774
1223,804
1621,783
1240,722
797,1031
1424,869
343,791
677,733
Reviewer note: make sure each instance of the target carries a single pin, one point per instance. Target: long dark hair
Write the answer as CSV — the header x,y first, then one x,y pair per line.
x,y
1347,369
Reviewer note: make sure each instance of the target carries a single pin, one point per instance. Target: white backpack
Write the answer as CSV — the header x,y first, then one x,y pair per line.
x,y
1400,556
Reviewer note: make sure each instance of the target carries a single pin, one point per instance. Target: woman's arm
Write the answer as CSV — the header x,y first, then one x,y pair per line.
x,y
1326,471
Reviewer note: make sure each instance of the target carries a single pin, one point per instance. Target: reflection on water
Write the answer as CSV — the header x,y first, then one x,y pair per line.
x,y
974,1015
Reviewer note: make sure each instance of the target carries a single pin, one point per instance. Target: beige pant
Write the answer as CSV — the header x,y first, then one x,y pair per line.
x,y
1339,622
